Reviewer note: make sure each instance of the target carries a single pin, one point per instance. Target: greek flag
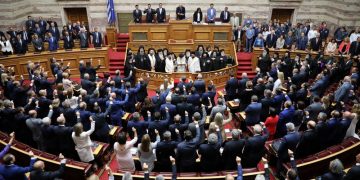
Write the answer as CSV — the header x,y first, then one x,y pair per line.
x,y
110,11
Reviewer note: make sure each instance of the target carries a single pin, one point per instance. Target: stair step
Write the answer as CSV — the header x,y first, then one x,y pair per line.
x,y
116,62
244,68
245,63
121,41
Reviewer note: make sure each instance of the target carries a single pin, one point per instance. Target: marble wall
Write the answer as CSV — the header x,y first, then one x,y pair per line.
x,y
335,12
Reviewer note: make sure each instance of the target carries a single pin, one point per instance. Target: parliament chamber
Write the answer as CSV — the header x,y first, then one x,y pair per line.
x,y
131,90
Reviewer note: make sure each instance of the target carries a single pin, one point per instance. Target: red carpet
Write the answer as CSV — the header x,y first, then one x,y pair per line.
x,y
244,64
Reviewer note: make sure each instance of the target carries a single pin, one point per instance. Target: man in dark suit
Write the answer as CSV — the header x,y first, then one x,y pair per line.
x,y
253,112
54,30
318,88
68,41
8,170
87,84
139,125
11,32
285,116
53,42
39,31
342,127
210,152
254,148
42,23
40,173
180,12
199,85
96,37
165,149
288,142
315,108
307,142
30,24
25,35
142,60
209,96
137,14
21,46
149,14
354,171
84,41
102,129
184,107
186,151
160,14
266,102
302,42
37,43
322,132
271,40
181,127
355,47
158,124
168,107
232,149
231,88
225,16
316,43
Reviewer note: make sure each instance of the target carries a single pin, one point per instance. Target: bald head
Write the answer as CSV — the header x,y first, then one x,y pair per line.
x,y
39,165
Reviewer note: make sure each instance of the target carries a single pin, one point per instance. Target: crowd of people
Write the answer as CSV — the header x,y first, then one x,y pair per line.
x,y
288,101
163,60
37,32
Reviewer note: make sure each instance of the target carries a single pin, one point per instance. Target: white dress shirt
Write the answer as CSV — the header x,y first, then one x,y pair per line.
x,y
354,37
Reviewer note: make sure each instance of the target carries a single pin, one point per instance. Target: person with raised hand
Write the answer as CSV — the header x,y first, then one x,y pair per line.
x,y
9,170
122,150
7,147
40,173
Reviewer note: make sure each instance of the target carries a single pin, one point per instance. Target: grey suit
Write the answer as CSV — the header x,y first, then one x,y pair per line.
x,y
84,40
342,92
34,124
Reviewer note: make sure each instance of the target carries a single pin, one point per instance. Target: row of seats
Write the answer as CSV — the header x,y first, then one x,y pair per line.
x,y
318,163
73,170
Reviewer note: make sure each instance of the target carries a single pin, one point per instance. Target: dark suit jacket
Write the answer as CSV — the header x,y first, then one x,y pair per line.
x,y
38,44
284,117
97,39
231,88
253,112
254,149
68,43
289,141
161,17
182,11
164,150
353,173
307,143
232,149
16,172
45,175
271,42
236,34
200,86
160,125
315,46
53,44
137,16
186,153
210,155
149,15
332,176
20,48
55,32
195,17
353,50
222,17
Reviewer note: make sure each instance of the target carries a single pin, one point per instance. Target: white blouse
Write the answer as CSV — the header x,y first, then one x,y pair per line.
x,y
6,46
331,47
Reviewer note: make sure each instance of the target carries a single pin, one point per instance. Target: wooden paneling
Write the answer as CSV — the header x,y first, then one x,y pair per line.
x,y
111,36
180,30
46,46
73,57
77,14
282,14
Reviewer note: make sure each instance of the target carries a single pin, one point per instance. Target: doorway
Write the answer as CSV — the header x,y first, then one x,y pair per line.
x,y
123,21
77,14
282,14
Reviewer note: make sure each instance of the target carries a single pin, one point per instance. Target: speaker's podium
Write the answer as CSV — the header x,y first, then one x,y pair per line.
x,y
180,30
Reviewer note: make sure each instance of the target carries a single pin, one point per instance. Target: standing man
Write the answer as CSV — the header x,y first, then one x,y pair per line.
x,y
180,12
84,43
30,24
211,14
250,33
160,14
149,14
234,21
237,38
225,16
54,30
38,43
42,24
25,35
96,37
53,43
137,14
21,46
68,41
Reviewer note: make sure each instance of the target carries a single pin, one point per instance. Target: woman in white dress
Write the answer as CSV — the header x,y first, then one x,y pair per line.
x,y
169,64
352,128
122,149
331,47
83,142
145,150
279,82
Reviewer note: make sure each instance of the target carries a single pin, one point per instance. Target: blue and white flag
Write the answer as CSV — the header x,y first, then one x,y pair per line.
x,y
111,11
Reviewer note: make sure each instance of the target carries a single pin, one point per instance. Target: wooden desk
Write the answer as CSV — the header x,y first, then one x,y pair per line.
x,y
73,57
179,30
